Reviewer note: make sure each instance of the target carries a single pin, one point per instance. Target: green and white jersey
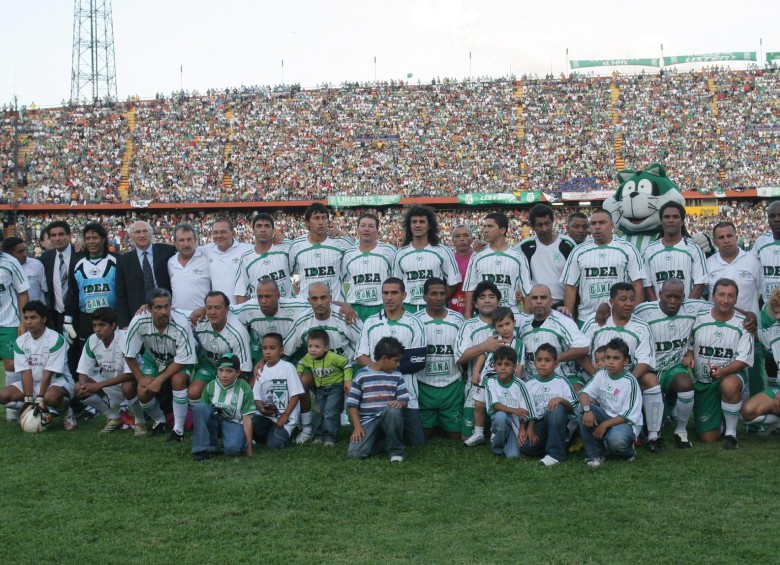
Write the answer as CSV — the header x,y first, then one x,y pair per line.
x,y
102,363
47,353
233,338
684,261
278,385
254,267
175,344
716,344
770,339
767,249
364,273
595,268
233,402
617,396
441,367
745,270
415,266
557,330
487,367
670,333
513,395
258,323
508,270
472,332
344,337
319,262
544,390
636,333
12,282
408,329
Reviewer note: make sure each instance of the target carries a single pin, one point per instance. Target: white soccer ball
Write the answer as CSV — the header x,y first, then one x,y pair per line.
x,y
30,421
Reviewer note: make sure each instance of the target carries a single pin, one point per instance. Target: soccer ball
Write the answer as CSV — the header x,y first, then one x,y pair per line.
x,y
30,421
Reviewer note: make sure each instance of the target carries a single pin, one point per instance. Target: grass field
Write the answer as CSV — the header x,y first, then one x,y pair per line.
x,y
82,497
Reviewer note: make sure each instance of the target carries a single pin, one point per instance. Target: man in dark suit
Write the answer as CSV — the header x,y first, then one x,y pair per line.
x,y
140,270
58,264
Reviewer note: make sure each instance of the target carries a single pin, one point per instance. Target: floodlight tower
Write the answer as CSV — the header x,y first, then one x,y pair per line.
x,y
93,70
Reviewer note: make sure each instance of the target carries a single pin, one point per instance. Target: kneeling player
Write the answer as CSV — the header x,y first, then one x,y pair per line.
x,y
40,355
102,370
610,410
764,408
554,403
169,353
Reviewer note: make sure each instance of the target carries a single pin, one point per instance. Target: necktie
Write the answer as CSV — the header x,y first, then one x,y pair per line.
x,y
148,274
63,275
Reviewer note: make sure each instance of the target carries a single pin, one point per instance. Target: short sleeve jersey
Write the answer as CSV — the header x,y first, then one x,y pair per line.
x,y
513,394
557,330
254,267
415,266
12,282
175,344
544,390
441,367
767,249
319,262
636,333
617,396
595,268
190,283
372,390
252,316
47,353
232,402
408,329
508,270
233,338
365,271
745,270
716,344
343,336
683,260
103,362
277,385
670,333
472,332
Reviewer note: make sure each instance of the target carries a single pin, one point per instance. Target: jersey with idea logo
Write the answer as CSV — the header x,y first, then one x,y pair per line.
x,y
767,249
95,283
670,333
175,344
254,267
716,344
319,262
684,260
508,270
365,271
233,338
415,266
441,367
12,282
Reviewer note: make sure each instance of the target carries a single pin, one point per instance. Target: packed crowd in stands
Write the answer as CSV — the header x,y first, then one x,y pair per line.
x,y
749,217
445,138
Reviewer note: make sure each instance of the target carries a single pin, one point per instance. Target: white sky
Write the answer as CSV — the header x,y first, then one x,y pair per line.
x,y
227,43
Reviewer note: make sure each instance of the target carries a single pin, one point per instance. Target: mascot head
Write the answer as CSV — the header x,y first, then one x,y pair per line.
x,y
634,207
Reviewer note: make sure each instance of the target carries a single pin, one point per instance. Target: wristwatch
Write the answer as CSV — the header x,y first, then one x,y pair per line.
x,y
586,408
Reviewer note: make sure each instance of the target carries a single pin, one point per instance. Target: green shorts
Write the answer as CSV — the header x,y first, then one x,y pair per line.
x,y
575,380
149,368
666,377
204,372
771,392
255,350
365,311
441,407
706,405
7,340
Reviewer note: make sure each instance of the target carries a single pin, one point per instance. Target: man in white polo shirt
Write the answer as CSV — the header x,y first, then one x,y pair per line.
x,y
189,271
223,255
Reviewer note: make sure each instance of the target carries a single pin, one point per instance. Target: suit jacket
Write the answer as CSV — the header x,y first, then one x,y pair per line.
x,y
48,258
130,280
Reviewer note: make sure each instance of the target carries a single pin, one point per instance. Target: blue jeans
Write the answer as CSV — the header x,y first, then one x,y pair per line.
x,y
265,430
504,440
208,425
381,434
330,399
413,430
618,441
551,429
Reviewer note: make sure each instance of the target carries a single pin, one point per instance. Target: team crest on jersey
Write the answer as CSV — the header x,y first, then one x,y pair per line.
x,y
557,257
419,258
498,262
317,255
719,334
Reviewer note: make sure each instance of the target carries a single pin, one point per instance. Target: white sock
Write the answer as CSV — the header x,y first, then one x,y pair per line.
x,y
684,407
134,405
731,415
653,404
769,420
479,431
12,377
101,406
14,405
153,409
306,421
180,407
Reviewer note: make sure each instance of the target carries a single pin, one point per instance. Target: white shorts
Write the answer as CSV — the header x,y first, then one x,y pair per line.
x,y
59,381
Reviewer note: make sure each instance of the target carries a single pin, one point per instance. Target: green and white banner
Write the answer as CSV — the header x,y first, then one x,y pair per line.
x,y
772,56
711,57
478,199
768,191
582,64
350,201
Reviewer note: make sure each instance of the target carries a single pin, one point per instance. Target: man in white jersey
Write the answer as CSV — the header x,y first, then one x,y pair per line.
x,y
394,321
764,408
266,260
188,270
577,227
316,256
343,340
674,256
31,267
423,257
13,297
219,333
103,372
731,262
169,354
637,335
40,357
365,266
546,252
719,352
671,319
507,268
594,266
476,337
549,326
223,255
440,388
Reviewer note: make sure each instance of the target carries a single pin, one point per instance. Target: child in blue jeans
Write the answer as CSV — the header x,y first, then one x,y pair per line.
x,y
332,374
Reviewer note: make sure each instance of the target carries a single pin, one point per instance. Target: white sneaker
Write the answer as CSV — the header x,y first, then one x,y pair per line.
x,y
345,420
595,462
304,437
475,439
548,461
397,459
139,429
11,415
